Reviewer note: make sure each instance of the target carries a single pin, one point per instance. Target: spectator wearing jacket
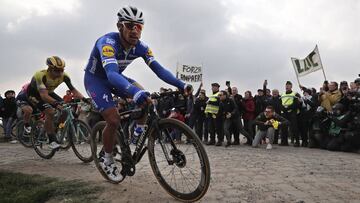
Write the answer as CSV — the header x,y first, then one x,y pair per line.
x,y
9,113
175,133
275,102
1,105
214,120
267,123
190,117
249,114
199,116
261,99
230,114
165,104
68,96
290,106
307,110
330,98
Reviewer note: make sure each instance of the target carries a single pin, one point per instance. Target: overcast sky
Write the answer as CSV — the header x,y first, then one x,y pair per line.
x,y
243,41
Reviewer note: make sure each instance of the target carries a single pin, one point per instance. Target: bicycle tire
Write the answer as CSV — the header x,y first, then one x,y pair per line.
x,y
38,136
95,149
81,147
25,141
204,165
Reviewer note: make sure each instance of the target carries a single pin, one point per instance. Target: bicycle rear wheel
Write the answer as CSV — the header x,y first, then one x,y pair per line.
x,y
24,140
185,174
40,141
80,140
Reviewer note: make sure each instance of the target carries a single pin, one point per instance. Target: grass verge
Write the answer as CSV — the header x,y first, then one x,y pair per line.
x,y
17,187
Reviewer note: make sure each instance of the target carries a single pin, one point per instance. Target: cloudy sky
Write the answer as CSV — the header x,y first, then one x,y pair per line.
x,y
243,41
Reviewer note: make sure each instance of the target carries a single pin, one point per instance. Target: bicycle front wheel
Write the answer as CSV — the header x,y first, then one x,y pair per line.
x,y
183,170
40,141
80,140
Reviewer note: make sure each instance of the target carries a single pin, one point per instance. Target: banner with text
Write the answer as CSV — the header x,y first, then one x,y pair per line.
x,y
308,65
189,73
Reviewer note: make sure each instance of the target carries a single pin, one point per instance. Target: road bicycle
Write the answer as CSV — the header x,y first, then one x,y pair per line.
x,y
71,132
183,170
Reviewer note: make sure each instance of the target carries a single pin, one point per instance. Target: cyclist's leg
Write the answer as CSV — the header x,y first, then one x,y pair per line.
x,y
27,110
49,120
99,90
25,107
49,117
140,123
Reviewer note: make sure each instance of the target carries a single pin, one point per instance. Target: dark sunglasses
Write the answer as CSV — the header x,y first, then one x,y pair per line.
x,y
58,70
132,25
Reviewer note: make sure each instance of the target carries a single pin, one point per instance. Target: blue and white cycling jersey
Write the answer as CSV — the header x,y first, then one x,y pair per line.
x,y
109,59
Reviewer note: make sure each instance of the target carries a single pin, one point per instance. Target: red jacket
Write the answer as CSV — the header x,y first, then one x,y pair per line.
x,y
249,105
177,116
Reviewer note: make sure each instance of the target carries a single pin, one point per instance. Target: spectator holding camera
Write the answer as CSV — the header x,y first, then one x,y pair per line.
x,y
267,123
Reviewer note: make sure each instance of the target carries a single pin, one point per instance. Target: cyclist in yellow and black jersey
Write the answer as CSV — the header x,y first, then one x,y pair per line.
x,y
40,94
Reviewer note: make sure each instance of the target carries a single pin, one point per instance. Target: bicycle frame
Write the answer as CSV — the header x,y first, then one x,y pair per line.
x,y
140,149
68,121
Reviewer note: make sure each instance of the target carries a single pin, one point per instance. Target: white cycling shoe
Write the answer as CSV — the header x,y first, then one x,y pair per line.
x,y
111,170
54,145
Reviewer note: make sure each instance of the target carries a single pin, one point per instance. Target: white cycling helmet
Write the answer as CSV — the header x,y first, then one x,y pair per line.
x,y
132,14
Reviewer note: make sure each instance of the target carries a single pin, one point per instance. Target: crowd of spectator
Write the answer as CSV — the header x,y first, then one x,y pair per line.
x,y
328,118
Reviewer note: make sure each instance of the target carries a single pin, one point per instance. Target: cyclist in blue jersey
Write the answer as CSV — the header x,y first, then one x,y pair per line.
x,y
110,56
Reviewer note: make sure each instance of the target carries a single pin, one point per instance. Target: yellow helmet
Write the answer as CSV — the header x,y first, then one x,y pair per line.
x,y
55,62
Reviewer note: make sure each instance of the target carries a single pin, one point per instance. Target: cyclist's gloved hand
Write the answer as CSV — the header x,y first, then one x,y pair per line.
x,y
141,97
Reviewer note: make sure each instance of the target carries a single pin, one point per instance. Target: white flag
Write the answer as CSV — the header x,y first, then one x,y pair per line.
x,y
189,73
308,65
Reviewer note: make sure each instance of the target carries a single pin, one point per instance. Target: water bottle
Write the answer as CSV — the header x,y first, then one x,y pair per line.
x,y
137,132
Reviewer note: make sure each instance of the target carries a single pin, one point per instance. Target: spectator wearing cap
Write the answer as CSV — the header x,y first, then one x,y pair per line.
x,y
290,105
9,113
213,119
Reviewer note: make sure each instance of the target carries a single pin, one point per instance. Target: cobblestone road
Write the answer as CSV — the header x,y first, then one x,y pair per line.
x,y
239,174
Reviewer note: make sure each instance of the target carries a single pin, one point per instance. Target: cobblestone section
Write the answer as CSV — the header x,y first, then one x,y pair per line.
x,y
239,174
